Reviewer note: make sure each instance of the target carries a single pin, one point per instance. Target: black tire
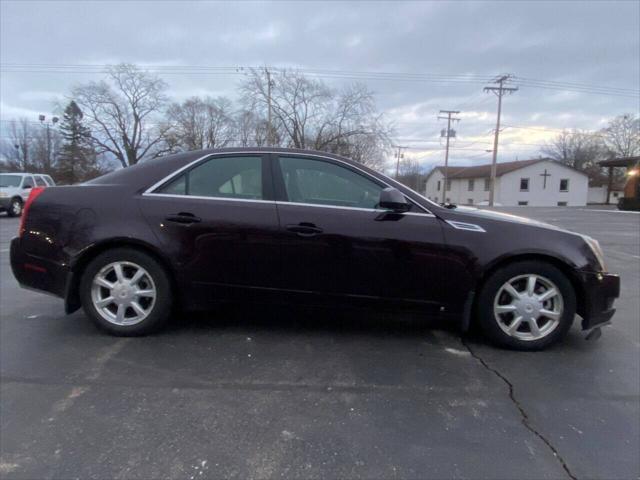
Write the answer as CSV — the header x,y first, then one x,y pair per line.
x,y
485,306
161,309
15,208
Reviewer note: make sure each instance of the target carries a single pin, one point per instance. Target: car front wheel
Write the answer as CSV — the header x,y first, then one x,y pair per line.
x,y
527,306
126,292
15,208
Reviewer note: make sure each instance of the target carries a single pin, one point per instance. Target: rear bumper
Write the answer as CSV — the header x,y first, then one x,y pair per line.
x,y
38,273
600,291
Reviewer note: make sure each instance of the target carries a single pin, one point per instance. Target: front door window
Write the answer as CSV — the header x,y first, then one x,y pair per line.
x,y
323,183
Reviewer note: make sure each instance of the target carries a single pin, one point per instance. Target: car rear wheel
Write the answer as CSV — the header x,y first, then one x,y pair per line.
x,y
527,306
15,208
126,292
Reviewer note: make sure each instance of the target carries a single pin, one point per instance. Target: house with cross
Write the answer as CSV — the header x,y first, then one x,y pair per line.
x,y
540,183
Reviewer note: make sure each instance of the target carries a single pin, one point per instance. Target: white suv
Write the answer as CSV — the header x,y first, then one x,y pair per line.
x,y
15,189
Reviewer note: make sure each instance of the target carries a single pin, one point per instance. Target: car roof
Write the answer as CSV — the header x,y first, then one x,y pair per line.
x,y
160,167
149,172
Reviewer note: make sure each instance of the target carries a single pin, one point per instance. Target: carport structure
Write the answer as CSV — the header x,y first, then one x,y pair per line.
x,y
632,187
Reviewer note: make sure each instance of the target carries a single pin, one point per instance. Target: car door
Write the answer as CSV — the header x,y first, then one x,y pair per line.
x,y
27,185
335,241
218,223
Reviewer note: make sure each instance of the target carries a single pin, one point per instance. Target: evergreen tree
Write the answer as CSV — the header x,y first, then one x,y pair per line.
x,y
77,161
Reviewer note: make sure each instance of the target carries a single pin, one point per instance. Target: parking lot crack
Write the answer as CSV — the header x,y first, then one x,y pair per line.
x,y
523,414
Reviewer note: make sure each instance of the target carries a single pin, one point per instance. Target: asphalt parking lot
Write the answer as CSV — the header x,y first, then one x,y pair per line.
x,y
264,393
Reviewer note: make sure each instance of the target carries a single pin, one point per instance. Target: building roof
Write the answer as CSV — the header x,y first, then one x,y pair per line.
x,y
621,162
479,171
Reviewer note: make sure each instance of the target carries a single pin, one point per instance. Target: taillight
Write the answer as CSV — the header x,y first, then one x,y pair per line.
x,y
35,191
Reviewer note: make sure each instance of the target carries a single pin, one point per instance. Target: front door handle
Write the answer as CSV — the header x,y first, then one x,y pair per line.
x,y
184,218
304,229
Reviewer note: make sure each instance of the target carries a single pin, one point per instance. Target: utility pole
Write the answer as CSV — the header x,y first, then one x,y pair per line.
x,y
399,155
449,118
499,91
269,121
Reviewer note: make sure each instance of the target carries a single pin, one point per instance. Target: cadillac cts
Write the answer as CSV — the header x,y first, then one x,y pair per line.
x,y
192,229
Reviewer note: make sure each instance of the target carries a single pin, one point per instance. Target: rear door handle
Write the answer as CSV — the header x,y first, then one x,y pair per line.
x,y
304,229
184,218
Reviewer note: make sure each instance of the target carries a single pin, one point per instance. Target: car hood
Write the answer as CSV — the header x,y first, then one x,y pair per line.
x,y
506,217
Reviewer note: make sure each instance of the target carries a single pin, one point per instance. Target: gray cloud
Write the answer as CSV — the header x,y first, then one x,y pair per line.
x,y
586,42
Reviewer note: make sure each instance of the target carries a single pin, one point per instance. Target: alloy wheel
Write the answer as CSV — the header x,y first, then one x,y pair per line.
x,y
16,207
123,293
528,307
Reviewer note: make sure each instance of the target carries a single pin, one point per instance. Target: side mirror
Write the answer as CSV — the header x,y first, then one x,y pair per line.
x,y
392,199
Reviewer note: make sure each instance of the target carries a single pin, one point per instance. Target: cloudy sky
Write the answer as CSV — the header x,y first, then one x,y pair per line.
x,y
586,55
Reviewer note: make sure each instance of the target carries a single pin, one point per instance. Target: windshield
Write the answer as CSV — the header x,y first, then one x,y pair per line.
x,y
10,180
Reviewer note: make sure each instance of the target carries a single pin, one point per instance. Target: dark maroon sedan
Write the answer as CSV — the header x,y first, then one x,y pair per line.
x,y
197,228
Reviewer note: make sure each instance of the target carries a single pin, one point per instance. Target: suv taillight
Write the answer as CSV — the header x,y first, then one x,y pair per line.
x,y
35,191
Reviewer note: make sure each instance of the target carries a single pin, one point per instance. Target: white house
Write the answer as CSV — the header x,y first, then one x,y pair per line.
x,y
541,183
598,186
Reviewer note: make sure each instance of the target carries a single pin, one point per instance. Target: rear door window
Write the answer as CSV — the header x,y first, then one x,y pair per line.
x,y
40,182
221,177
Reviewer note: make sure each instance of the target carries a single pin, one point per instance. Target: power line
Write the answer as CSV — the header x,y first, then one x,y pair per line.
x,y
325,73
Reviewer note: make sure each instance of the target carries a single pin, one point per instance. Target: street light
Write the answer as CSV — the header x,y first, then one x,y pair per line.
x,y
50,152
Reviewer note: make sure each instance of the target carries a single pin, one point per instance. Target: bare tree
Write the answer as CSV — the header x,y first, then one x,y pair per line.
x,y
16,150
251,129
308,114
410,173
622,136
198,123
577,149
121,112
30,147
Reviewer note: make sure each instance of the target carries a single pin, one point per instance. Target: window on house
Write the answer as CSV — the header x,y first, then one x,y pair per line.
x,y
487,184
524,184
438,185
564,184
523,204
470,201
448,200
562,204
471,184
448,185
615,194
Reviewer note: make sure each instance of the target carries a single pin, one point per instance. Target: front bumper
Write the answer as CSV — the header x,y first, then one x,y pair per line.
x,y
38,273
600,291
5,203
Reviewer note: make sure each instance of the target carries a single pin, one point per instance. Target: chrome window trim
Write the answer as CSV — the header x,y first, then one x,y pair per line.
x,y
276,202
201,197
339,207
149,191
470,227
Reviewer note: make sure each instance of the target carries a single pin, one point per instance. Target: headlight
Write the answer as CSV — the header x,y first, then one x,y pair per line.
x,y
4,194
597,251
